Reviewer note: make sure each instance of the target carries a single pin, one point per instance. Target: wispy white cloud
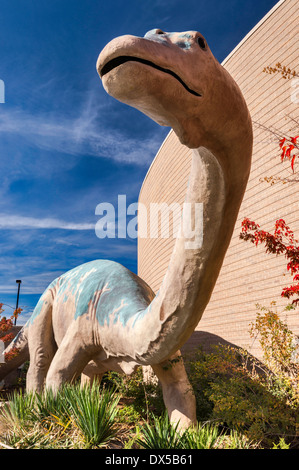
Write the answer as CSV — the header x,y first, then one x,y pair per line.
x,y
86,134
32,284
19,222
37,271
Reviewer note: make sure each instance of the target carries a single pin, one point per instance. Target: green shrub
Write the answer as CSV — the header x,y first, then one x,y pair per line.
x,y
246,404
232,390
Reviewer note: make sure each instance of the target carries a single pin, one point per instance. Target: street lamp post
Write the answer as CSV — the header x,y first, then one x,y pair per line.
x,y
17,304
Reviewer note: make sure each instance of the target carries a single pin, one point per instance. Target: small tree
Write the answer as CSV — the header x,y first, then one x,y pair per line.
x,y
280,350
6,325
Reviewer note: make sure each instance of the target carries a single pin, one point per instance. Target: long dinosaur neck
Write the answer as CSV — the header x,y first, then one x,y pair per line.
x,y
192,272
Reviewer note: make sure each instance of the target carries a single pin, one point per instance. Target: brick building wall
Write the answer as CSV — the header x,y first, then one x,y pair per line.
x,y
248,276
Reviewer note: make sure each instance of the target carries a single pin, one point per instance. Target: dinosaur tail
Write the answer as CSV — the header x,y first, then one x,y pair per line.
x,y
20,342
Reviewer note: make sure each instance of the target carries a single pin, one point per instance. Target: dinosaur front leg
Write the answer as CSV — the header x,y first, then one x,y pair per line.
x,y
178,395
70,359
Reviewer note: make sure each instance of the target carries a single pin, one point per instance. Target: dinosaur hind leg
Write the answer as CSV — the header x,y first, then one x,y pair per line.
x,y
178,395
41,344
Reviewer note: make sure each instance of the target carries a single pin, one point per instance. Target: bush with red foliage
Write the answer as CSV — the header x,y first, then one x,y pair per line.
x,y
6,324
281,241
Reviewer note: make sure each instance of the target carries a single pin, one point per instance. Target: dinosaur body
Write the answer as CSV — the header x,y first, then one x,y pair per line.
x,y
100,316
102,298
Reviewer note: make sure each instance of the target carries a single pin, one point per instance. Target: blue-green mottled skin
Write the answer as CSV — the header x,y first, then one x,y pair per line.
x,y
40,304
184,39
119,287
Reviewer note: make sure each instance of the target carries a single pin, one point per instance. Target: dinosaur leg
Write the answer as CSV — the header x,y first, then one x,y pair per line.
x,y
91,374
87,379
178,395
41,344
70,359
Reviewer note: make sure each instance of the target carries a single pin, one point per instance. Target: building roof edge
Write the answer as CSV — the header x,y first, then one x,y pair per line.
x,y
255,28
150,167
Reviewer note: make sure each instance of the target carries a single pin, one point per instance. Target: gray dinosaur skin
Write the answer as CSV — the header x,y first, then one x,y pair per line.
x,y
100,316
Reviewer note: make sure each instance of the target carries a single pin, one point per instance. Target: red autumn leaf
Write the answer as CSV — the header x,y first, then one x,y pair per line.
x,y
11,354
7,338
289,150
281,142
283,152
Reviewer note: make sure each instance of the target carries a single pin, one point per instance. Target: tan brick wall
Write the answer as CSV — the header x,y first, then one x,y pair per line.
x,y
248,275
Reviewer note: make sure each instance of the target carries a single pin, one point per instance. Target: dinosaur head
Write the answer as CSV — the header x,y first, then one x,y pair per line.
x,y
175,80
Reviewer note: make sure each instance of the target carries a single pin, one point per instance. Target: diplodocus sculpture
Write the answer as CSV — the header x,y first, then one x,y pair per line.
x,y
100,316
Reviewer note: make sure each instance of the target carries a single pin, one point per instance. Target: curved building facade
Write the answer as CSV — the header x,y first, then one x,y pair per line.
x,y
248,276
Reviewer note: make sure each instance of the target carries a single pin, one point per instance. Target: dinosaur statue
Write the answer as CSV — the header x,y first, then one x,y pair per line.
x,y
100,316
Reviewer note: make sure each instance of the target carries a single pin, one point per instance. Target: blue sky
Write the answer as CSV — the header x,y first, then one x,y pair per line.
x,y
65,145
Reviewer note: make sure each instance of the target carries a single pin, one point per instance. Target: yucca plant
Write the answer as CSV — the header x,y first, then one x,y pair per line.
x,y
36,437
161,434
16,416
93,411
30,421
201,437
17,412
52,407
236,440
61,419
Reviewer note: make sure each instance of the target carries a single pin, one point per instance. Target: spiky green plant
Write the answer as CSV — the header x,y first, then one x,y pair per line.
x,y
236,440
17,412
93,412
69,418
52,407
161,434
201,437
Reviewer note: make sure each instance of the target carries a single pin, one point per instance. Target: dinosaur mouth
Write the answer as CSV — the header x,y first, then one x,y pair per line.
x,y
117,61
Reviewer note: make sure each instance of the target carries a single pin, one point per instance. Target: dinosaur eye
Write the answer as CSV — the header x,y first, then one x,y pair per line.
x,y
201,42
